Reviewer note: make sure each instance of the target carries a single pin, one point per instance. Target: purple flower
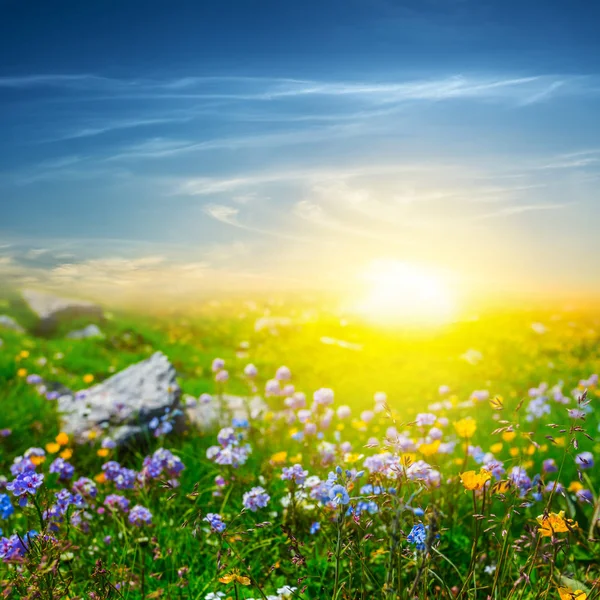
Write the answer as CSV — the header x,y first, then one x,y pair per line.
x,y
140,516
25,483
215,521
34,379
585,460
576,414
85,487
550,466
256,498
115,501
424,419
283,374
585,496
295,473
217,365
15,546
250,371
222,376
64,469
5,432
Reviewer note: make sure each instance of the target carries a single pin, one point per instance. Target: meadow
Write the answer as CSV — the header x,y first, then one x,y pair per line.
x,y
449,462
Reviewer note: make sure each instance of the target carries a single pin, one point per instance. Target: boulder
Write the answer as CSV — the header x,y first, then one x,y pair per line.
x,y
9,323
123,405
91,331
220,410
50,308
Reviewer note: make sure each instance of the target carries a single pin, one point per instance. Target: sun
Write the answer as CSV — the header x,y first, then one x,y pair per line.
x,y
400,292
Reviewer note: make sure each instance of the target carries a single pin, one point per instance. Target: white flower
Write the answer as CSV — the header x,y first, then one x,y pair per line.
x,y
214,596
286,591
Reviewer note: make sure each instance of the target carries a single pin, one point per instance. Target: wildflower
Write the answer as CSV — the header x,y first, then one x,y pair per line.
x,y
475,481
15,546
115,501
283,374
549,466
465,428
256,498
552,523
140,516
64,469
25,483
315,527
217,365
423,419
567,594
62,439
88,378
6,508
418,537
214,596
222,376
323,397
235,577
286,591
295,473
52,447
85,487
585,460
339,495
216,523
250,371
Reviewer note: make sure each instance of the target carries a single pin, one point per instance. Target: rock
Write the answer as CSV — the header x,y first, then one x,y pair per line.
x,y
206,415
124,404
50,308
91,331
9,323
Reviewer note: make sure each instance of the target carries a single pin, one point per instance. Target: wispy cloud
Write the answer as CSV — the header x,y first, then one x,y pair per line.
x,y
522,90
523,208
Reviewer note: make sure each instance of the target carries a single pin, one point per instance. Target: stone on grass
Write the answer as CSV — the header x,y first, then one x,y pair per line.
x,y
91,331
9,323
220,410
50,308
123,406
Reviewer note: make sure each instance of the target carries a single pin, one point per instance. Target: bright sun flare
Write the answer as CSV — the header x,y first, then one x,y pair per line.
x,y
403,292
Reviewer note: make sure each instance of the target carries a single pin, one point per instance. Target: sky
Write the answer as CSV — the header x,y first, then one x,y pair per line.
x,y
190,146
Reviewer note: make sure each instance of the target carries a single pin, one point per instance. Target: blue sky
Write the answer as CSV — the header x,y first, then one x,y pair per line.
x,y
238,144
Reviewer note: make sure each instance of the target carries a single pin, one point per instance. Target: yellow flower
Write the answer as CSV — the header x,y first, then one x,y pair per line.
x,y
555,523
509,436
66,453
531,450
62,439
465,428
352,457
268,416
52,447
24,353
567,594
100,478
278,458
514,451
22,372
495,448
103,452
88,378
236,577
560,441
37,460
340,427
296,459
575,486
359,425
429,449
475,481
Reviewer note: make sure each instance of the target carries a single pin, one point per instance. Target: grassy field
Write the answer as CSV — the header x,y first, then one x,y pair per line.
x,y
447,486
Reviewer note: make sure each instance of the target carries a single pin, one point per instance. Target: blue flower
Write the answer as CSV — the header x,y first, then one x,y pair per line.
x,y
6,508
339,495
418,536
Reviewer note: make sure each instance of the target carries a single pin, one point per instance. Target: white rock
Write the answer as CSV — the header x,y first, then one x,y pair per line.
x,y
221,411
91,331
9,323
49,307
124,404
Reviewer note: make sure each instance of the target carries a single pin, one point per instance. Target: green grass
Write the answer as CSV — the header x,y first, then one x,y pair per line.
x,y
373,558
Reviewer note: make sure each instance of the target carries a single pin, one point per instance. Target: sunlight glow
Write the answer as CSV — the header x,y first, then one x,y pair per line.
x,y
404,292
